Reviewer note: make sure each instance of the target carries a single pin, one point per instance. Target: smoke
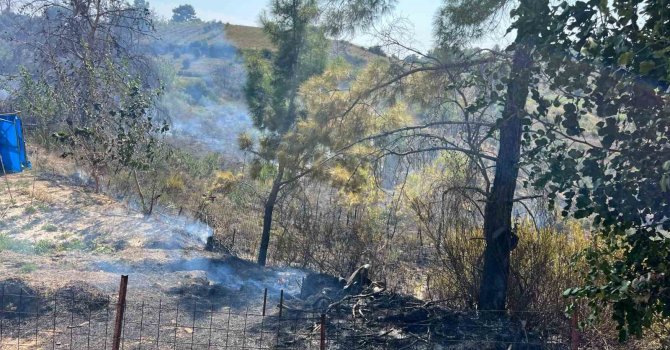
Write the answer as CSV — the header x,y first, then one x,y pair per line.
x,y
236,274
182,240
215,128
231,273
188,227
204,76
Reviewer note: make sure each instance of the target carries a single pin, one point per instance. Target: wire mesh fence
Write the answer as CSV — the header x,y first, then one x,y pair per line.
x,y
71,320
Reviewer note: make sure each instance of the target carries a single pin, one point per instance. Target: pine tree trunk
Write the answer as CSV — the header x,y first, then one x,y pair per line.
x,y
498,211
267,216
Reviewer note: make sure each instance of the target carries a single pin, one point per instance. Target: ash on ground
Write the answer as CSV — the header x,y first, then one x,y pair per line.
x,y
363,314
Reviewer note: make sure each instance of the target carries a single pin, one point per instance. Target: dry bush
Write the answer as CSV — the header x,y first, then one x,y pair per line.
x,y
314,228
540,268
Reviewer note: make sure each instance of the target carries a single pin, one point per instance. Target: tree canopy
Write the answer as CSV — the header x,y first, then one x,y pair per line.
x,y
603,146
184,13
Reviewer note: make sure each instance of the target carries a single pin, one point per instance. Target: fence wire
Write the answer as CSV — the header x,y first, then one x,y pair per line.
x,y
29,320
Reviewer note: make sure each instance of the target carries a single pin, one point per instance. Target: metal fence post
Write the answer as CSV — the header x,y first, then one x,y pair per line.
x,y
120,309
281,302
265,300
323,332
574,329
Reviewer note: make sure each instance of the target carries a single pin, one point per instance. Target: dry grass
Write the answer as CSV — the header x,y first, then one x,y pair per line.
x,y
248,38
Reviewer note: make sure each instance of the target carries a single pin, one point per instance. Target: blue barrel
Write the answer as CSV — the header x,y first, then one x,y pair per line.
x,y
12,144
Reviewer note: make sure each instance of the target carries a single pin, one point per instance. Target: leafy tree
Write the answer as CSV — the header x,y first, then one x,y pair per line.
x,y
487,104
323,145
137,137
184,13
127,138
605,148
83,84
500,201
272,92
87,51
272,89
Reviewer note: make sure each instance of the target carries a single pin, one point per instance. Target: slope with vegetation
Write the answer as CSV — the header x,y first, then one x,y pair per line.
x,y
203,70
530,179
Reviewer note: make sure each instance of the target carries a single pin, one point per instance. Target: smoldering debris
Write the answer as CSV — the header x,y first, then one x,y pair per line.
x,y
385,319
82,297
19,299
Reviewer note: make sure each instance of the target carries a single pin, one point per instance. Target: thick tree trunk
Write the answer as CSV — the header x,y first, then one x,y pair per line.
x,y
267,216
498,212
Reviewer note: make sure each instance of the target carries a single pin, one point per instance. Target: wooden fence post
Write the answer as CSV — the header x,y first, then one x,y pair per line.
x,y
120,309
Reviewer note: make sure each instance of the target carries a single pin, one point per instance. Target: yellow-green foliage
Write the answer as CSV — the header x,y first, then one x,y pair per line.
x,y
451,223
540,268
225,182
174,182
334,139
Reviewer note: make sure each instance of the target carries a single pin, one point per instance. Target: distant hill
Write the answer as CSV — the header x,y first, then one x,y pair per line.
x,y
203,69
245,38
201,66
253,38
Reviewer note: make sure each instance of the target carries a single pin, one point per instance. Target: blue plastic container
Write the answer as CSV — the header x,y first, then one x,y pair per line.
x,y
12,144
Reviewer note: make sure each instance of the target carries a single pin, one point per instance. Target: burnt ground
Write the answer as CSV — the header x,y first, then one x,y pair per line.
x,y
63,248
60,238
53,232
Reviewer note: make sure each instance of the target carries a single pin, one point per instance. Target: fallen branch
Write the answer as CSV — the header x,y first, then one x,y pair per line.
x,y
357,296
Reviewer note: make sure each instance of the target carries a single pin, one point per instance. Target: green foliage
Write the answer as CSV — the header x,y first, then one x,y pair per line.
x,y
44,247
137,142
8,243
39,101
30,210
272,84
128,137
28,267
99,248
184,13
347,16
612,175
458,22
71,245
50,228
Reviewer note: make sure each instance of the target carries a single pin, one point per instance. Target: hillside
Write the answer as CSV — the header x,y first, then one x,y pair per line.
x,y
243,38
253,38
202,67
64,245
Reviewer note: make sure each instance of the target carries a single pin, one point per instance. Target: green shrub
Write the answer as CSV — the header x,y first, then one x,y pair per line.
x,y
74,244
30,210
100,248
50,228
30,225
44,247
15,245
43,207
28,267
